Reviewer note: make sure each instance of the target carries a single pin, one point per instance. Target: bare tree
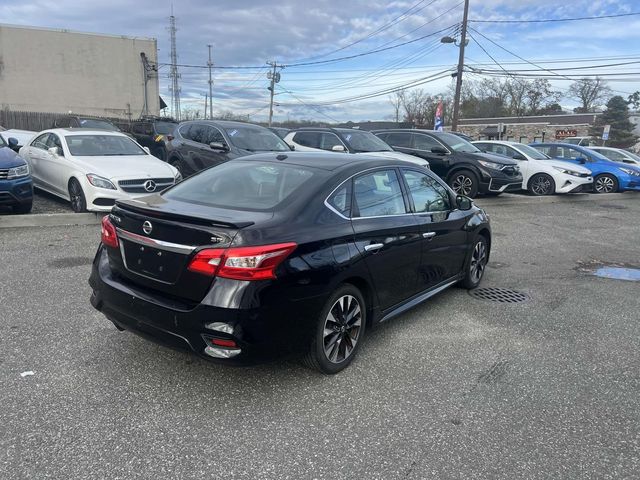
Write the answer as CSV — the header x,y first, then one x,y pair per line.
x,y
541,96
415,104
396,103
590,92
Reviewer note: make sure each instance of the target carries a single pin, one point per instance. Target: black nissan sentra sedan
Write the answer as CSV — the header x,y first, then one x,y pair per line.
x,y
275,253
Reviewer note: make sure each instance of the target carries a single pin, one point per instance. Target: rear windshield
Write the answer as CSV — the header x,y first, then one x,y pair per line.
x,y
99,124
165,128
242,185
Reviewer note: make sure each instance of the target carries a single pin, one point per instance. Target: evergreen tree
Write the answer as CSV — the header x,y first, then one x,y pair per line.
x,y
617,115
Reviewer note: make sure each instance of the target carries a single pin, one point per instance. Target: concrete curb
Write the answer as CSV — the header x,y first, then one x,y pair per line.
x,y
49,220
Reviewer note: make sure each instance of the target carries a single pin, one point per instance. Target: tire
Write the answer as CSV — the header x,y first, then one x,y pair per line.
x,y
180,166
23,208
329,348
605,183
477,263
541,184
464,182
76,195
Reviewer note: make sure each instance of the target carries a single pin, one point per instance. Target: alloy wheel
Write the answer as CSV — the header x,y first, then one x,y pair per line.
x,y
604,184
462,184
541,185
478,261
77,197
342,329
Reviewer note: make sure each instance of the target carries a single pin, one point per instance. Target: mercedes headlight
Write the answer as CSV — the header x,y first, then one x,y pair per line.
x,y
100,182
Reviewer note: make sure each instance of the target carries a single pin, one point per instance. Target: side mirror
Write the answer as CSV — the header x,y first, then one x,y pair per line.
x,y
219,146
582,160
55,151
463,203
519,156
13,143
146,149
439,150
292,147
337,148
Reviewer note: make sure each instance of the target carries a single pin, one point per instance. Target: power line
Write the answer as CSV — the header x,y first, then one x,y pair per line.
x,y
552,20
307,105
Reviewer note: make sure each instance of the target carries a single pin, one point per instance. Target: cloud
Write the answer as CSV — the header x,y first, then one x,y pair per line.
x,y
250,32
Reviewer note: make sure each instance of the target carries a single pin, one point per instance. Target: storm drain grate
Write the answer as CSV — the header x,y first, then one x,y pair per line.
x,y
500,295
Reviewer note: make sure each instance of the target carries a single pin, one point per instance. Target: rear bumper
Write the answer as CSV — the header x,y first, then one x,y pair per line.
x,y
16,192
260,333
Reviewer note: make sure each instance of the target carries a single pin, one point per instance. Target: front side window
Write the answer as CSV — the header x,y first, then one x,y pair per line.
x,y
212,135
54,141
102,145
566,152
424,142
361,141
427,194
457,143
197,132
378,194
329,140
41,141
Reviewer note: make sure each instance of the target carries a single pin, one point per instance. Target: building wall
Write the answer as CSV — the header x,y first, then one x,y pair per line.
x,y
527,132
58,71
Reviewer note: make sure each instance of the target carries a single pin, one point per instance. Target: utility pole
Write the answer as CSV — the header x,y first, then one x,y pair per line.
x,y
463,41
173,72
274,76
210,64
205,106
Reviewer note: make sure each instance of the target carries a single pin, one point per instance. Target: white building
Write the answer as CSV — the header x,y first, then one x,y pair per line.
x,y
60,71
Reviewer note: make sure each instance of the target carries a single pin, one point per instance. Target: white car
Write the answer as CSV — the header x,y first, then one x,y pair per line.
x,y
618,155
346,140
541,175
94,168
22,136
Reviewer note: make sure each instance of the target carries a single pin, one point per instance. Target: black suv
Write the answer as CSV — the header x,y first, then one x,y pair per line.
x,y
200,144
466,169
152,133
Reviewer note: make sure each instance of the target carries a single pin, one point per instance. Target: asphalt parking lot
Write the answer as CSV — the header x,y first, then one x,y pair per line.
x,y
456,388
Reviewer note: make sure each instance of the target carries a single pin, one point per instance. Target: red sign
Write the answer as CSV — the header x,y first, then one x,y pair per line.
x,y
566,133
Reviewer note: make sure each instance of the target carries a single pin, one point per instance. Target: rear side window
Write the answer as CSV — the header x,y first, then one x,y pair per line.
x,y
399,139
378,194
544,149
340,201
307,139
243,186
329,140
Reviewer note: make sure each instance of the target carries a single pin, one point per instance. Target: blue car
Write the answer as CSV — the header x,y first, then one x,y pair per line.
x,y
608,176
16,187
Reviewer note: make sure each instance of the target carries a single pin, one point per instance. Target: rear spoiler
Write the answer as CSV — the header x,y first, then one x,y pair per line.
x,y
149,211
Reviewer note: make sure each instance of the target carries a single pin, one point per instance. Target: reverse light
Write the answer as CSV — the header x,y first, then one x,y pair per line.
x,y
108,233
242,263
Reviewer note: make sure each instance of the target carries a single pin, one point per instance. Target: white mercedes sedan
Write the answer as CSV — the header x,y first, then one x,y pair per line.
x,y
94,168
541,175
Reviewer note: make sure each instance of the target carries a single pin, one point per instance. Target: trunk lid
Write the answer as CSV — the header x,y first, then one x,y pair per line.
x,y
159,237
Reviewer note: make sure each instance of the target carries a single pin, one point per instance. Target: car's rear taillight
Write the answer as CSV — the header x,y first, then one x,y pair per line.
x,y
242,263
108,233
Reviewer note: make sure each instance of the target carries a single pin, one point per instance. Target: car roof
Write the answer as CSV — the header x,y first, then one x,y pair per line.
x,y
83,131
500,142
223,123
330,161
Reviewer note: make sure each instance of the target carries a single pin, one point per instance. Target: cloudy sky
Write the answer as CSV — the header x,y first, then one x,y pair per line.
x,y
342,58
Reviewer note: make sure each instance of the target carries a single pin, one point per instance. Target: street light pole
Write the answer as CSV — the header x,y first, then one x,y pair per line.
x,y
463,41
210,64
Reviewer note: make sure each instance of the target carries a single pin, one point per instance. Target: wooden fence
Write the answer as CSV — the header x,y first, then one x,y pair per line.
x,y
34,121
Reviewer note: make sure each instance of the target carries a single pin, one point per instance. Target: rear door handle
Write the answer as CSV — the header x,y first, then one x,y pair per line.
x,y
374,247
429,235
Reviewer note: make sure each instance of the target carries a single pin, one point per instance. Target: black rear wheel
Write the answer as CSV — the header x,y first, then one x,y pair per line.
x,y
78,200
23,208
464,182
339,331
